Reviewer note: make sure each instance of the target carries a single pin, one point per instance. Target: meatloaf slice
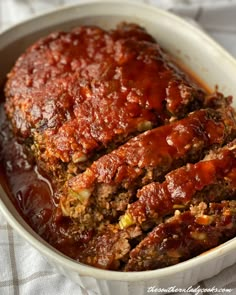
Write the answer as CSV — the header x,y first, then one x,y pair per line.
x,y
76,95
110,183
185,235
210,180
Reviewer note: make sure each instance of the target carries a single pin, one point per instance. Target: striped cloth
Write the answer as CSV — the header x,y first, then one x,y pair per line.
x,y
23,271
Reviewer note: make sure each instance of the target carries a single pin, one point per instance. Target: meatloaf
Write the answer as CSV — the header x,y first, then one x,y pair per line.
x,y
140,159
180,237
111,182
73,96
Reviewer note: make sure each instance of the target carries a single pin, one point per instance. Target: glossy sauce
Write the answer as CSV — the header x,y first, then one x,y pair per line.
x,y
183,236
32,194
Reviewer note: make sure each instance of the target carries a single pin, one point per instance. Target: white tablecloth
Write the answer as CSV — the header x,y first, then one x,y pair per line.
x,y
22,269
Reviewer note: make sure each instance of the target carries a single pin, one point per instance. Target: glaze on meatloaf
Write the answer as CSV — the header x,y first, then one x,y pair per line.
x,y
111,182
77,95
210,180
141,159
185,235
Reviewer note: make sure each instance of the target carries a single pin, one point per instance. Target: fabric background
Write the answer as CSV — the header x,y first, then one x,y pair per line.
x,y
23,271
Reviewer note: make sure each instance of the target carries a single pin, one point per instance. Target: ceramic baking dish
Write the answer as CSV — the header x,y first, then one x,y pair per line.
x,y
201,55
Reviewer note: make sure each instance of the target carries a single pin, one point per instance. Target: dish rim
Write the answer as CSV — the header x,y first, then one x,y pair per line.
x,y
85,270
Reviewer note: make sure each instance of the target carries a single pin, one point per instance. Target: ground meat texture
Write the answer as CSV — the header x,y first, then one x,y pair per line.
x,y
185,235
111,182
74,96
106,249
209,180
109,247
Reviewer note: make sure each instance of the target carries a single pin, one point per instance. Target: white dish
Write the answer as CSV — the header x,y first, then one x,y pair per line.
x,y
194,49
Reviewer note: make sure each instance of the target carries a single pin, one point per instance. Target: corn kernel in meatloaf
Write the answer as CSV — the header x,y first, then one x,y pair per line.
x,y
78,95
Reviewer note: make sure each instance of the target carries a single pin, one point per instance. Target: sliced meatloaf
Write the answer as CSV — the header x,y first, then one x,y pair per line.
x,y
106,188
180,237
210,180
185,235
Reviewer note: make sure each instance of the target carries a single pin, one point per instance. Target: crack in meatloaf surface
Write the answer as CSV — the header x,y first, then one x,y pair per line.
x,y
75,96
141,159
